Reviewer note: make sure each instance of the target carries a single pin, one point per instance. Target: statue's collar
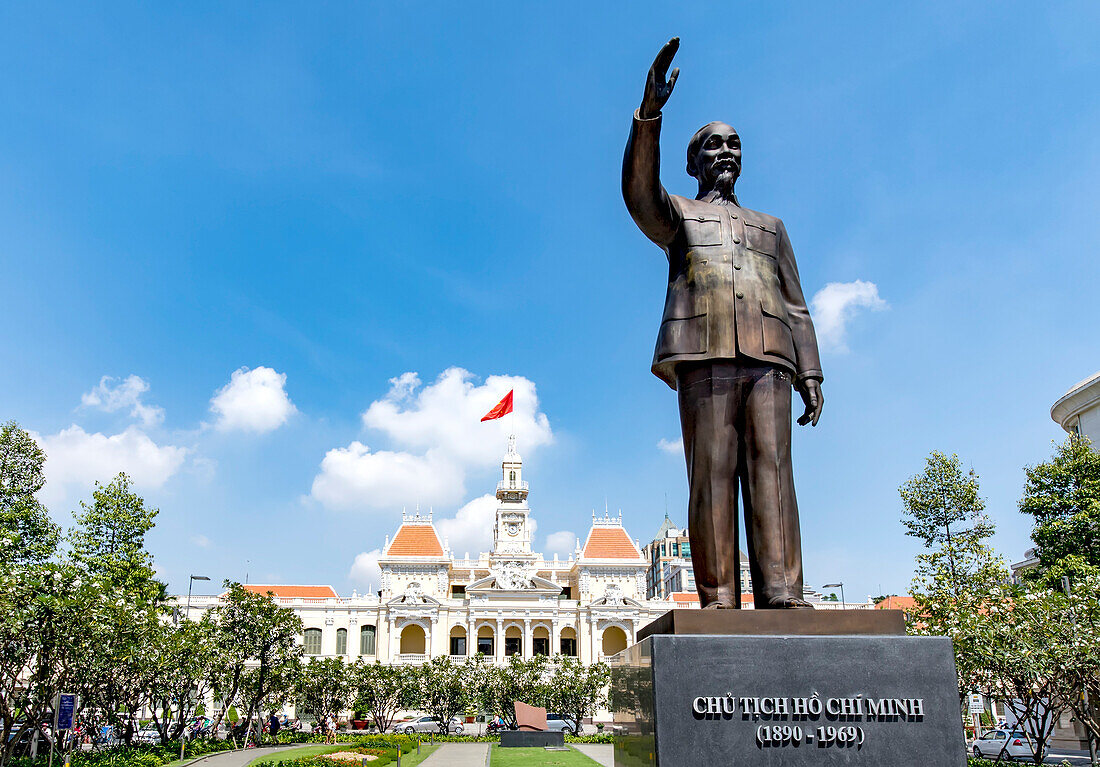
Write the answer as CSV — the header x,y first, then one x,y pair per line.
x,y
714,196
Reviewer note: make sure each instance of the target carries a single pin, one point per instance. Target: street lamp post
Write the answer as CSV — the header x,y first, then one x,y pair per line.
x,y
843,604
187,617
187,612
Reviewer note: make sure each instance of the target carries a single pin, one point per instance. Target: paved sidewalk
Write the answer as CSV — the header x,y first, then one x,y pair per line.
x,y
604,753
458,755
237,758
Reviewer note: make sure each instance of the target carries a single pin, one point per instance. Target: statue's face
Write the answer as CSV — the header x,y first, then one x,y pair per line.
x,y
719,154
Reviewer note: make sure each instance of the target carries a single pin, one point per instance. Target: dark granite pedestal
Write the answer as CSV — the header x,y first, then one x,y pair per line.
x,y
784,689
532,739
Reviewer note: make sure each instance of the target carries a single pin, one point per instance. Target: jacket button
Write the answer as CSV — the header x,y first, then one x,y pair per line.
x,y
737,267
736,240
733,215
740,294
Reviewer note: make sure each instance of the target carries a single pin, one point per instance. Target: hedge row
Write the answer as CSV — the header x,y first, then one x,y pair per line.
x,y
130,756
370,740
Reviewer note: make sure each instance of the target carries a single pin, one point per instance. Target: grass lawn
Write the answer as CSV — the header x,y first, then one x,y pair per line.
x,y
538,757
297,753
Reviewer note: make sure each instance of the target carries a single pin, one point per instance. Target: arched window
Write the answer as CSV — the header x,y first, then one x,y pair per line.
x,y
512,477
413,640
614,641
341,641
313,642
366,640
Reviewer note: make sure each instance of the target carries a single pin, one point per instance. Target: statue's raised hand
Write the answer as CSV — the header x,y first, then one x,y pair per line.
x,y
659,85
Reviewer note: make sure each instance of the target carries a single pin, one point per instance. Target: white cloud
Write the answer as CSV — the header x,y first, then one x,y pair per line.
x,y
253,400
201,541
671,446
446,415
353,477
440,437
112,394
561,542
837,303
75,458
365,571
470,530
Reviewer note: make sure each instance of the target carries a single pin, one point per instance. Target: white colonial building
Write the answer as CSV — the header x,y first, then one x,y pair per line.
x,y
507,601
1078,410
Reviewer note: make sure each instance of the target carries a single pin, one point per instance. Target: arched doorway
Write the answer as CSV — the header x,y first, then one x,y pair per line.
x,y
568,642
413,640
540,641
485,636
513,641
614,641
458,640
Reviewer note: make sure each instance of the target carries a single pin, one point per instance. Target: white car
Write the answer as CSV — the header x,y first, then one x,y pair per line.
x,y
557,722
428,724
149,735
992,741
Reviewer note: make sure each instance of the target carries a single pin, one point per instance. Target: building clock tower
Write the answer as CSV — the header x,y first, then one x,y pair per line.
x,y
512,534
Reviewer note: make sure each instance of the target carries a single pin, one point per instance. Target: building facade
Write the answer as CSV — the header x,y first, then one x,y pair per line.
x,y
1078,410
669,569
506,601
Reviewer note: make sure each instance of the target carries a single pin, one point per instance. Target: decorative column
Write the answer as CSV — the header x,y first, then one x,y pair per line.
x,y
391,638
528,641
498,641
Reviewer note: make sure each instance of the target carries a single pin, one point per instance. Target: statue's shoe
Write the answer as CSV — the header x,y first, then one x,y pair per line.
x,y
789,603
718,604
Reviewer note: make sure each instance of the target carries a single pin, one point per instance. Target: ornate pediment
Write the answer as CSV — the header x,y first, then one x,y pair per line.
x,y
613,597
513,575
414,598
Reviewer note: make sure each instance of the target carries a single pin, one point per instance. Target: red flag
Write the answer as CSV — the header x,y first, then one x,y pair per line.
x,y
503,408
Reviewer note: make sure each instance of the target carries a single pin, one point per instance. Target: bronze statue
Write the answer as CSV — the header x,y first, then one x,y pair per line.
x,y
735,335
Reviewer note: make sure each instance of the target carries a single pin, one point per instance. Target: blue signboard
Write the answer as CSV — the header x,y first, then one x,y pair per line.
x,y
66,707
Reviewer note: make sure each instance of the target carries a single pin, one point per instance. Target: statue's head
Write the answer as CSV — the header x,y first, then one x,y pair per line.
x,y
714,158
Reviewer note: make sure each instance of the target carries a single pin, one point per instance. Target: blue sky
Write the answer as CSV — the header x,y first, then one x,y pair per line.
x,y
343,202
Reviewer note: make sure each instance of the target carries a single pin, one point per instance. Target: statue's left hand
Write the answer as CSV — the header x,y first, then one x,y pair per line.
x,y
810,389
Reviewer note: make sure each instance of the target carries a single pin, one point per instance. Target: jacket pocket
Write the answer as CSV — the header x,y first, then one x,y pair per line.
x,y
702,230
777,336
687,335
760,237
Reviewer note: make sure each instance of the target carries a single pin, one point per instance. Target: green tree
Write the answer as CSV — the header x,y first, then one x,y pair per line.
x,y
382,691
109,540
443,688
1077,625
127,619
944,510
522,679
47,614
1063,497
576,690
26,533
324,687
181,675
259,654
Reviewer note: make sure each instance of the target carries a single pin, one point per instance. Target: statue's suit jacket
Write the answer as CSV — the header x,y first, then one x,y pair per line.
x,y
733,287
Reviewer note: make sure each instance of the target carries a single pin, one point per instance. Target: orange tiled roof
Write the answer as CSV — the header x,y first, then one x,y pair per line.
x,y
415,541
609,543
897,603
293,592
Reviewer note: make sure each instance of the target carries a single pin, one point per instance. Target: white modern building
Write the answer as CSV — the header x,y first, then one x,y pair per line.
x,y
510,600
1078,410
